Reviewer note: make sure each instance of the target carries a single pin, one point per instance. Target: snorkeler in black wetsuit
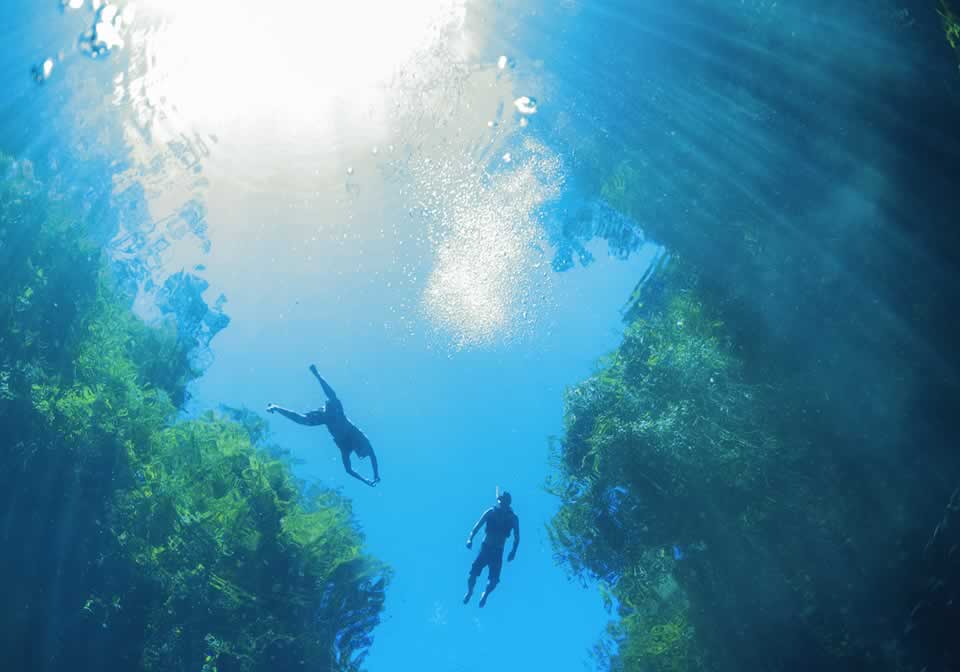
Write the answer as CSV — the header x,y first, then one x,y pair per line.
x,y
500,521
346,435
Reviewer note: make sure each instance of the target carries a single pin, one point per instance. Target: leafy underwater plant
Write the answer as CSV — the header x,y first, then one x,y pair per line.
x,y
664,444
213,519
666,416
152,543
675,440
823,372
951,24
664,646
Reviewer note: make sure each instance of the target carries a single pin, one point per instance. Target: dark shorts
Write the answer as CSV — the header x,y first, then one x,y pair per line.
x,y
491,557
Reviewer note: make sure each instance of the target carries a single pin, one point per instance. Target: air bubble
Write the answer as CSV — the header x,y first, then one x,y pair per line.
x,y
526,105
42,72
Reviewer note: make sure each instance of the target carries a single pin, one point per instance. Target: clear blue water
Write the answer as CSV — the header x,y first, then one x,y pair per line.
x,y
418,202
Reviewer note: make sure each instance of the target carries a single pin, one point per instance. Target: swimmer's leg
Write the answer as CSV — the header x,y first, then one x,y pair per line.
x,y
493,575
478,564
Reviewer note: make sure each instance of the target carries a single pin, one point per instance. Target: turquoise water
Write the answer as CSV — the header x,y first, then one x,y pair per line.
x,y
679,276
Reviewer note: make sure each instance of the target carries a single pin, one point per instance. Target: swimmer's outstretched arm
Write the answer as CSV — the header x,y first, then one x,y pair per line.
x,y
345,454
327,390
298,418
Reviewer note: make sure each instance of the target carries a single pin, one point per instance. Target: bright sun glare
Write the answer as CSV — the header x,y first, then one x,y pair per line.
x,y
326,76
286,61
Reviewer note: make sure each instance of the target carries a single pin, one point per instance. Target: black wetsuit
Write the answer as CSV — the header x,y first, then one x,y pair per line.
x,y
345,434
500,521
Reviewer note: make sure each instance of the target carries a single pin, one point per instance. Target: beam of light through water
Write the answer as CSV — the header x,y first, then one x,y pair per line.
x,y
301,97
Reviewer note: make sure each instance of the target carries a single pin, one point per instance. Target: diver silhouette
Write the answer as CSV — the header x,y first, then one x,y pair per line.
x,y
346,435
500,521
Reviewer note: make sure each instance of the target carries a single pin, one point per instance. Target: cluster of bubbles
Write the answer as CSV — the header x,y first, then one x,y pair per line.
x,y
110,22
481,194
526,105
106,32
481,288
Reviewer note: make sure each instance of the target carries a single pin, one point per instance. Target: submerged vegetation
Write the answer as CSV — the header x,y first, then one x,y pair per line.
x,y
951,25
131,538
754,475
675,389
724,534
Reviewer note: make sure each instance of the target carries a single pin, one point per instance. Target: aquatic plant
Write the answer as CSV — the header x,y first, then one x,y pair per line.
x,y
211,519
667,416
684,485
663,445
130,537
951,24
850,366
657,645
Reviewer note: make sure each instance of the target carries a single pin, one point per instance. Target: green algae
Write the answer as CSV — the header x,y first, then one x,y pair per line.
x,y
173,545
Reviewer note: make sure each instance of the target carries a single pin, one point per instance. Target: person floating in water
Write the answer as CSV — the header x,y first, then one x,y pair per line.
x,y
346,435
500,521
